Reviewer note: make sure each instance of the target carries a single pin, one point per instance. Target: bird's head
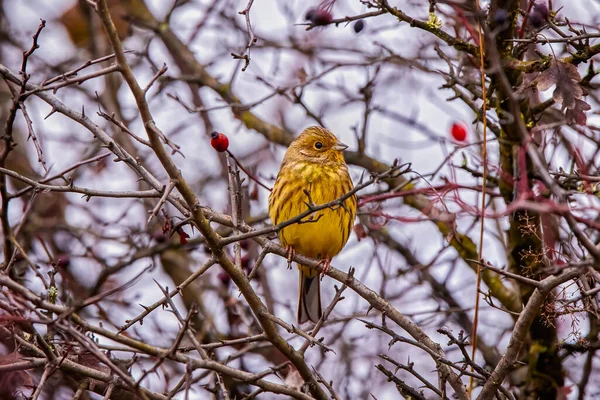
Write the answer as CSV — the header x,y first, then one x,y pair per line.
x,y
318,145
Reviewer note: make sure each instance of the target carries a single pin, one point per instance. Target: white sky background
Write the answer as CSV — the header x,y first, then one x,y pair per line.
x,y
410,93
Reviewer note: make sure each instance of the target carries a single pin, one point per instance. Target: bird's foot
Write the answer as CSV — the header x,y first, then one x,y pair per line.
x,y
326,266
291,253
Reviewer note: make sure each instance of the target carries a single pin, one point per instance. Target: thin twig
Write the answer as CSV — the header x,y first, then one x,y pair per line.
x,y
155,77
166,192
252,37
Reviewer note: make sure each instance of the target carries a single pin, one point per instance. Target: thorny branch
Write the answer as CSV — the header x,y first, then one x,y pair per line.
x,y
224,326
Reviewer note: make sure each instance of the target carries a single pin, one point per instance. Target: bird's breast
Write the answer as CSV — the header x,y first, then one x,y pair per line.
x,y
325,232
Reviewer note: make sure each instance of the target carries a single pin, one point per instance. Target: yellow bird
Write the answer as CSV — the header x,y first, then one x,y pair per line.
x,y
313,169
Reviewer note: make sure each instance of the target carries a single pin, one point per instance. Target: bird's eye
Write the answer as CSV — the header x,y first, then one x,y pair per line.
x,y
318,145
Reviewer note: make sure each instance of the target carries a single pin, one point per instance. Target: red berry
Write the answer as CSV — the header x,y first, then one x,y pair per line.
x,y
459,131
318,16
219,141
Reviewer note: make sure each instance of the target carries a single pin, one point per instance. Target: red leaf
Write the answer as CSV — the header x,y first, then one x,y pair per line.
x,y
183,237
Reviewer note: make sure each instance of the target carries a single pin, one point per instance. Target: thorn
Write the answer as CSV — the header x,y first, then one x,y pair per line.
x,y
50,113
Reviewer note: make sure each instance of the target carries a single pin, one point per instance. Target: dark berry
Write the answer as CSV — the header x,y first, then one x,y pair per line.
x,y
501,16
219,141
542,9
359,25
539,15
246,264
159,236
536,20
63,261
224,278
318,16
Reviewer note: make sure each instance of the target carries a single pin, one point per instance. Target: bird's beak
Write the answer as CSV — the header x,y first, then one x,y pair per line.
x,y
339,146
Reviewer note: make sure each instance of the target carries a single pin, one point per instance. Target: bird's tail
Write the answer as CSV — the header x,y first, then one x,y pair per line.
x,y
309,295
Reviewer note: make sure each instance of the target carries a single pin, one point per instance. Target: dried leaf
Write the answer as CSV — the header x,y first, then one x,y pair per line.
x,y
360,231
294,379
566,77
11,383
450,219
577,113
167,226
91,361
254,193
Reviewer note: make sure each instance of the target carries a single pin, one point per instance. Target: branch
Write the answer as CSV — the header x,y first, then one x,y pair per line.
x,y
76,189
521,329
458,44
38,302
212,238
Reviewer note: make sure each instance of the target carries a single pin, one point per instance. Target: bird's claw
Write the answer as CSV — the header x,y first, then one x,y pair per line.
x,y
326,266
290,252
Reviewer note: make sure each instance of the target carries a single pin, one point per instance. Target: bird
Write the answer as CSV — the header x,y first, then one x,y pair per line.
x,y
313,172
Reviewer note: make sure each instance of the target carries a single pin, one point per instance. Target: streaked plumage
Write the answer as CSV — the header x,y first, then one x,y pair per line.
x,y
323,172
